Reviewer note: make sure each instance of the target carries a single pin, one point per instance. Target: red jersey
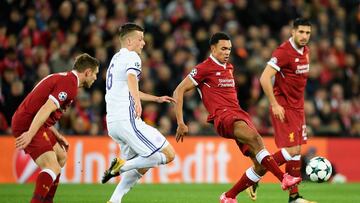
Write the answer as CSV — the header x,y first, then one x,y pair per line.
x,y
216,85
293,67
60,88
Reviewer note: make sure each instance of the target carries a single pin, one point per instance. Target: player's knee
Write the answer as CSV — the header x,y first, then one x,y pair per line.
x,y
62,158
293,151
170,156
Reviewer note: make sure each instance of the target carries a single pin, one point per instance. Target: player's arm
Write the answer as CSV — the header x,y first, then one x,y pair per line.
x,y
134,92
41,116
266,83
60,138
161,99
179,92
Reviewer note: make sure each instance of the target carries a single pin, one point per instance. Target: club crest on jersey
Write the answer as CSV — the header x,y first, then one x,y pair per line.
x,y
62,96
274,60
193,72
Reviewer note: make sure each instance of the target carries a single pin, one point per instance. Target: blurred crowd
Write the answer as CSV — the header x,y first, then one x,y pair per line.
x,y
41,37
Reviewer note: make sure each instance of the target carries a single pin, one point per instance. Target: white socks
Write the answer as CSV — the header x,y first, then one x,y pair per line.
x,y
128,180
156,159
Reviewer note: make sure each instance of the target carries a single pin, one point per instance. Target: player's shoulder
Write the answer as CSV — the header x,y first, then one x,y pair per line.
x,y
67,78
131,55
285,46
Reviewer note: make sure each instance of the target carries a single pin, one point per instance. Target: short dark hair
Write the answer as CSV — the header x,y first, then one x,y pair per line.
x,y
129,27
301,21
218,36
84,61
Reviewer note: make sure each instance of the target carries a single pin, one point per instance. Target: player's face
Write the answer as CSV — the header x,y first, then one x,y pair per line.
x,y
221,50
138,41
301,35
90,77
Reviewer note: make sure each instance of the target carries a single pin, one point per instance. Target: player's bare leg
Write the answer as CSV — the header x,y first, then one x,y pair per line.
x,y
128,180
249,136
285,155
61,156
50,169
118,166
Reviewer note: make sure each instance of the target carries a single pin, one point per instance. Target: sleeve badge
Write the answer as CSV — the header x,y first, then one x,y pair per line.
x,y
62,96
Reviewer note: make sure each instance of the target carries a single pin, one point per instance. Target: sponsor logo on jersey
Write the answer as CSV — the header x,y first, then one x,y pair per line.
x,y
300,69
296,59
218,73
226,83
62,96
193,72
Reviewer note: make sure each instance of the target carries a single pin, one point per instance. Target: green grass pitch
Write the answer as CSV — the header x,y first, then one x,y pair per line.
x,y
182,193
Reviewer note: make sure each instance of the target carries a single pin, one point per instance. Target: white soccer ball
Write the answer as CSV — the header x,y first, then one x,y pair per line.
x,y
319,169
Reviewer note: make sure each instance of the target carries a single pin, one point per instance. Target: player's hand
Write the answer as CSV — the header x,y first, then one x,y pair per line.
x,y
166,99
278,111
138,109
63,142
181,131
23,140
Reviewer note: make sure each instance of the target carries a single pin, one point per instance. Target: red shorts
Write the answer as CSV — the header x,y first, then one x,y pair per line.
x,y
291,132
224,125
42,142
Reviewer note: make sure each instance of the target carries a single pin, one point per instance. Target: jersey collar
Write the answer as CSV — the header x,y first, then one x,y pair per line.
x,y
217,62
77,77
300,51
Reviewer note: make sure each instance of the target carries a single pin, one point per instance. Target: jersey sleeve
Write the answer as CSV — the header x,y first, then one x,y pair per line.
x,y
197,75
134,64
278,59
64,91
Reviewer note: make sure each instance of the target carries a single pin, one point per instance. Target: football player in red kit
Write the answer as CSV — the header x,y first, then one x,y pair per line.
x,y
290,67
215,82
33,122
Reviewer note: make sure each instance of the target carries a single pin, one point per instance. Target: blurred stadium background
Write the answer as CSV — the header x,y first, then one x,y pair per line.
x,y
41,37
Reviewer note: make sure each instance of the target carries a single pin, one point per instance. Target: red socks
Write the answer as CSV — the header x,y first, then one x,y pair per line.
x,y
293,169
265,159
43,184
279,157
249,178
50,195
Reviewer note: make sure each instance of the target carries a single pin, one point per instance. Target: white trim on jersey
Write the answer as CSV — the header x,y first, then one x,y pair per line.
x,y
76,74
273,65
193,80
217,62
300,51
55,101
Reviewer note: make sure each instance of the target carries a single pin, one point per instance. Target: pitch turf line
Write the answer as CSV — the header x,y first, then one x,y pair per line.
x,y
181,193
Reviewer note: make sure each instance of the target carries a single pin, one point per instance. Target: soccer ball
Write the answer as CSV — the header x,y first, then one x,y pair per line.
x,y
319,169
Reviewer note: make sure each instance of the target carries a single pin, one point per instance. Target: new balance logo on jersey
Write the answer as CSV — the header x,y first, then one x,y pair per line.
x,y
218,73
296,59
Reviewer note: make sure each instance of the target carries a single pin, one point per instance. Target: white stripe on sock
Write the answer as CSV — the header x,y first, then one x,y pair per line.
x,y
286,154
250,173
50,172
296,158
260,156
